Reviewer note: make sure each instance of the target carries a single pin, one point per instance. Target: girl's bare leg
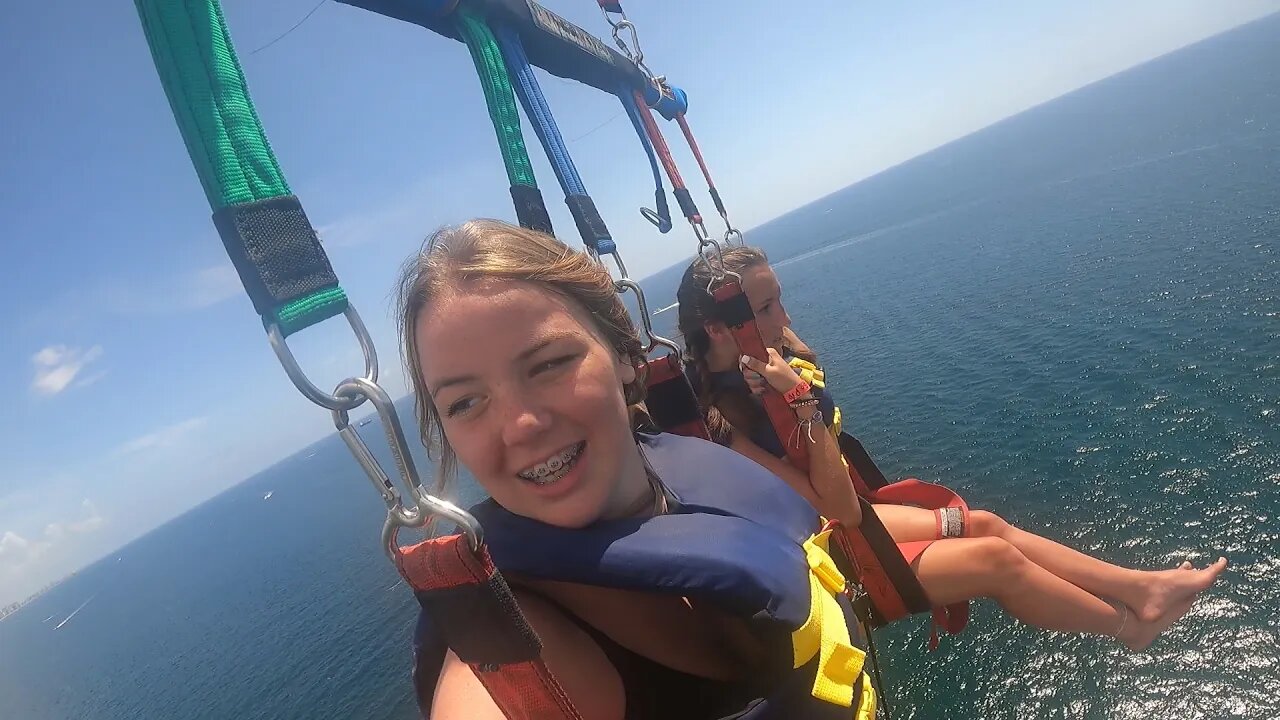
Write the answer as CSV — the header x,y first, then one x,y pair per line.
x,y
1151,594
962,569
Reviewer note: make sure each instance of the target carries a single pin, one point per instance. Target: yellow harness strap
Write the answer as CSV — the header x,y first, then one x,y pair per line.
x,y
816,377
826,634
808,372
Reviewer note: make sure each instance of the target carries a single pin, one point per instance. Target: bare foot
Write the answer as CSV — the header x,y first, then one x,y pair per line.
x,y
1166,589
1138,635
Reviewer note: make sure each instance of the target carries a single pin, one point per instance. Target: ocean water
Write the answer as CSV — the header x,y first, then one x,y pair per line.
x,y
1072,317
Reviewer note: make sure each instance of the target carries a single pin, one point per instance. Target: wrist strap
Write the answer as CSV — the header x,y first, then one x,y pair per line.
x,y
801,388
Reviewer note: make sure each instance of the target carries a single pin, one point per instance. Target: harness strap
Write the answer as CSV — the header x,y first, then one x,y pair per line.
x,y
264,229
531,211
670,399
734,310
481,622
591,226
894,589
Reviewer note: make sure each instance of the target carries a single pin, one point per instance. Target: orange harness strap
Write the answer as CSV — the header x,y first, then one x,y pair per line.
x,y
474,609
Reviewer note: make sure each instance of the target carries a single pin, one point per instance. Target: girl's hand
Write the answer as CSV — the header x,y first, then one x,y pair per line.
x,y
776,373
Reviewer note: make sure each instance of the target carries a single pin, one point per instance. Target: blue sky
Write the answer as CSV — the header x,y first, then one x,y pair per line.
x,y
142,380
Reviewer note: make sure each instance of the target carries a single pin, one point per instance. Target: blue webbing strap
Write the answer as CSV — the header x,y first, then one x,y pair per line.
x,y
661,218
591,226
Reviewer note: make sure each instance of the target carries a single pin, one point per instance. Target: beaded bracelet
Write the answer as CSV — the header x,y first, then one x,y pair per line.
x,y
807,402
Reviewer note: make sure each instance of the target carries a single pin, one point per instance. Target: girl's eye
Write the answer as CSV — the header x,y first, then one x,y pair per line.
x,y
552,364
460,406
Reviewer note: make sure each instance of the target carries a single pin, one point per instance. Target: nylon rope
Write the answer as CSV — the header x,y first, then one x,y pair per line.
x,y
663,221
693,146
498,95
538,110
659,143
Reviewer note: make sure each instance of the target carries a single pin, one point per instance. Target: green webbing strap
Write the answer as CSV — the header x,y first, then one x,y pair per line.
x,y
266,234
501,100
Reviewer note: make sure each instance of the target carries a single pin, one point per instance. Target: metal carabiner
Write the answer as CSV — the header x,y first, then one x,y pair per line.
x,y
300,380
654,340
426,506
636,56
718,274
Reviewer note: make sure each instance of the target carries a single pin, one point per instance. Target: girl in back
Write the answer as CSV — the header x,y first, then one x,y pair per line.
x,y
1036,580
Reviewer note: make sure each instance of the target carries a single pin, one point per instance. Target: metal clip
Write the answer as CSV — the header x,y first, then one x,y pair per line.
x,y
654,340
617,258
426,506
719,273
635,55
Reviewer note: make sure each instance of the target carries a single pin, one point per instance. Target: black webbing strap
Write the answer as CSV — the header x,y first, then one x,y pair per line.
x,y
531,211
275,251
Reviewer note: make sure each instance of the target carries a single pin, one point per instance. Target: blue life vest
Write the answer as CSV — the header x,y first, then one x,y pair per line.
x,y
738,540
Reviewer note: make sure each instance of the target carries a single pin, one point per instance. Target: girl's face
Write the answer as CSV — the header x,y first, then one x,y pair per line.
x,y
530,397
762,289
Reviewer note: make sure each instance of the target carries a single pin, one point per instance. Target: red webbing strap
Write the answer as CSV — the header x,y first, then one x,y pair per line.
x,y
886,604
678,188
671,401
927,495
735,311
659,142
954,617
483,625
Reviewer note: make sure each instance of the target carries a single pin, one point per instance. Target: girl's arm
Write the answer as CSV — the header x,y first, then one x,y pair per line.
x,y
826,486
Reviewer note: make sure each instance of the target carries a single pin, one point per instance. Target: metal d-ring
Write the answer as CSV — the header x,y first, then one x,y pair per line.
x,y
300,380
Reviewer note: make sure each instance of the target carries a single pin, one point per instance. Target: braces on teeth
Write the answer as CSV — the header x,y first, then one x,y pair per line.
x,y
552,466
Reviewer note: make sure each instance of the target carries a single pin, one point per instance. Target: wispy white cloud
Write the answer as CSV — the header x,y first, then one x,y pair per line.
x,y
133,297
56,531
57,366
163,437
14,549
212,285
18,552
412,211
